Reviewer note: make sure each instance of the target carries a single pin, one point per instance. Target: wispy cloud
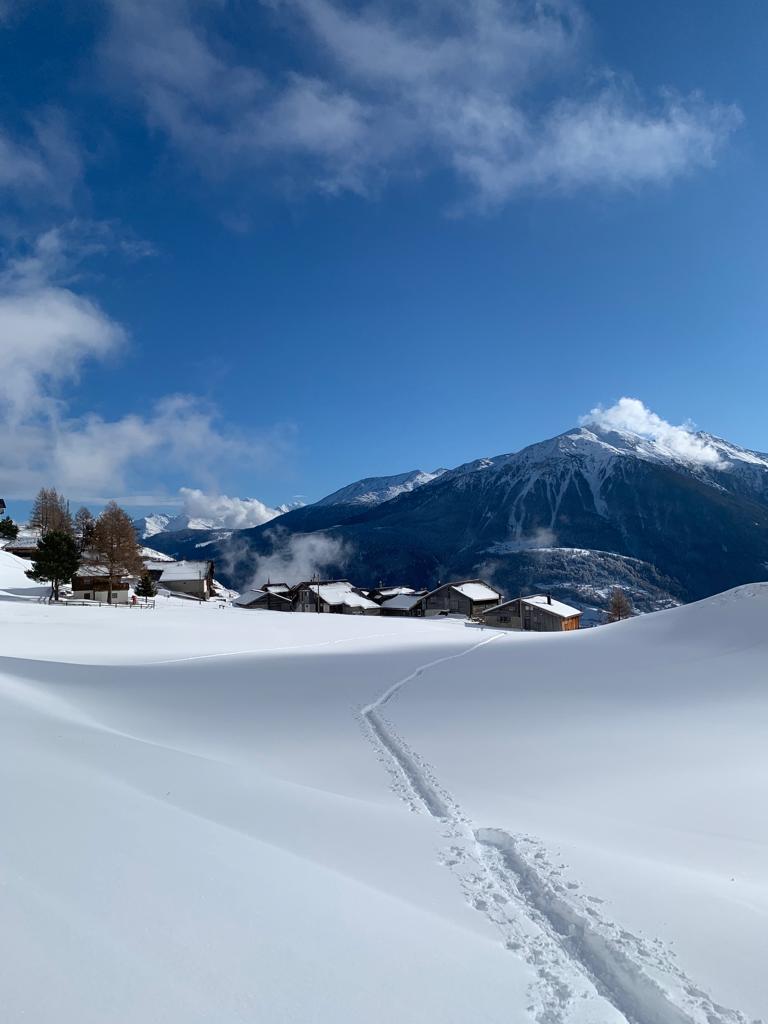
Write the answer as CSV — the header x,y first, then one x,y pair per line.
x,y
45,165
300,557
630,414
49,333
501,93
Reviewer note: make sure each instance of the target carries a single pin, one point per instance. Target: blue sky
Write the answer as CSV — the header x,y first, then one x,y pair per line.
x,y
264,250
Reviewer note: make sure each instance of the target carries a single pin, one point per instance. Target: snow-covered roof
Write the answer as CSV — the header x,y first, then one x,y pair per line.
x,y
276,588
157,564
150,554
403,602
341,593
248,597
394,591
92,570
177,572
565,611
28,536
87,571
477,591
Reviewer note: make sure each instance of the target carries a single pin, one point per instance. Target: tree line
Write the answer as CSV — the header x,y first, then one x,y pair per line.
x,y
67,542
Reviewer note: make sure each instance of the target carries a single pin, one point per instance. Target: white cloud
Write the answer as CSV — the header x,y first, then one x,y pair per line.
x,y
603,141
232,513
300,557
630,414
49,332
502,93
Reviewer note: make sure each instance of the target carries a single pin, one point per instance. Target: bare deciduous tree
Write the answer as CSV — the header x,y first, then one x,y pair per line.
x,y
620,606
114,541
84,527
50,513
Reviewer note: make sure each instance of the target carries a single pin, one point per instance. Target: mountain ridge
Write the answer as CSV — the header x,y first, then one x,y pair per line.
x,y
682,517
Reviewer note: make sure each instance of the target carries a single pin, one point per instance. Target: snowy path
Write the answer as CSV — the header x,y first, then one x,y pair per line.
x,y
583,963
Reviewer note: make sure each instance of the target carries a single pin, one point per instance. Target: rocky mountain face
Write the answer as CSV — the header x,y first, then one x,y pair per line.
x,y
576,514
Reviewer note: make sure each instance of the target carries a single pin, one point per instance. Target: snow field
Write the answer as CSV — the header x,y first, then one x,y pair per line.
x,y
225,816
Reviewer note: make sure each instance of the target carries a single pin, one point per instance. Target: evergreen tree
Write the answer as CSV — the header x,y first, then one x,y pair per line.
x,y
84,527
8,529
50,512
56,560
146,586
114,541
620,606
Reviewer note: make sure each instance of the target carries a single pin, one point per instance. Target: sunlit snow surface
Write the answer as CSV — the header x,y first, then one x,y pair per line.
x,y
224,815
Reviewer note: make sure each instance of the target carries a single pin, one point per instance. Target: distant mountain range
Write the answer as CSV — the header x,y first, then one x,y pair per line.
x,y
576,514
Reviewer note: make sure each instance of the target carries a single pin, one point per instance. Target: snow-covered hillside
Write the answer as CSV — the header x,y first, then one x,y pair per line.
x,y
208,815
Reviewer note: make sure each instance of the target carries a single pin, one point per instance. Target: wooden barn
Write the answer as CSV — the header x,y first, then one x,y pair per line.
x,y
267,600
25,544
536,614
403,605
467,598
332,596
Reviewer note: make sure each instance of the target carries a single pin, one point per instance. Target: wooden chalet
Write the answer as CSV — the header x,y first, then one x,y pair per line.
x,y
536,614
91,583
337,597
403,605
24,545
268,600
463,598
193,579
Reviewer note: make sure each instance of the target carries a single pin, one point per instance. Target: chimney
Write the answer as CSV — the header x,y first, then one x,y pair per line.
x,y
549,599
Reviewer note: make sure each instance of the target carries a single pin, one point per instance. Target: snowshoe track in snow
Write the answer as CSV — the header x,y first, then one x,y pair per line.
x,y
574,951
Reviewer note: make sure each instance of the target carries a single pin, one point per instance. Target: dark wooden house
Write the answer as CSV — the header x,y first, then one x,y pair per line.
x,y
463,598
403,605
25,543
91,583
338,597
536,614
265,600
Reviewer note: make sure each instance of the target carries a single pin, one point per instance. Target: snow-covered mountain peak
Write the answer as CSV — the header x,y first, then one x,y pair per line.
x,y
730,453
151,525
689,450
700,454
374,490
